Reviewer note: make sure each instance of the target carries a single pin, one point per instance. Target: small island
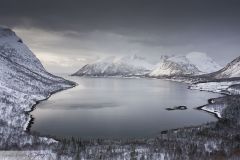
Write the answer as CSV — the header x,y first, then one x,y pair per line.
x,y
176,108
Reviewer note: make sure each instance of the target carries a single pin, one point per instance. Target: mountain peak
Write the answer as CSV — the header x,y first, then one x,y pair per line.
x,y
193,63
6,34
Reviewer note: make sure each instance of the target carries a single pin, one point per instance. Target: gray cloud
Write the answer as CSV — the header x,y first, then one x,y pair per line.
x,y
91,28
133,15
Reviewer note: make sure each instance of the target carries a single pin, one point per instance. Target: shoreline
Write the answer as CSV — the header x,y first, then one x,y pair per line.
x,y
31,121
161,143
200,108
33,107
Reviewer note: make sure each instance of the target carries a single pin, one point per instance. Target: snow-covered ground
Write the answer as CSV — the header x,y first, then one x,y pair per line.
x,y
27,155
225,87
218,87
215,109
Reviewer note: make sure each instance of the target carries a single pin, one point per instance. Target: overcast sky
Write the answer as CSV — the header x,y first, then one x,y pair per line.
x,y
66,34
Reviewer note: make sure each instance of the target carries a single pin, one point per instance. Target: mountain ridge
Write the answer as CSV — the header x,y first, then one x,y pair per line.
x,y
138,66
183,65
231,70
116,66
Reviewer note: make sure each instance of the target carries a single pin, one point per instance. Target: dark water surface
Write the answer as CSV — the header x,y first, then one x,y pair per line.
x,y
119,108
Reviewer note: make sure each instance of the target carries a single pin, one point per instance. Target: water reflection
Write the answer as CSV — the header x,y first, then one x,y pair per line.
x,y
52,105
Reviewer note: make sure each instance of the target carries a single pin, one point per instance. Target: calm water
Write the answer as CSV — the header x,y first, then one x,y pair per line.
x,y
119,108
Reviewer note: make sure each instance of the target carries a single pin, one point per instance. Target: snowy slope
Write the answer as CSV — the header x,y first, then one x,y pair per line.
x,y
231,70
223,81
23,80
173,66
194,63
114,66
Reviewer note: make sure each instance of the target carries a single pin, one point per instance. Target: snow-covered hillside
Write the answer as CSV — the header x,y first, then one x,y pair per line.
x,y
231,70
173,66
223,80
194,63
226,80
23,80
114,66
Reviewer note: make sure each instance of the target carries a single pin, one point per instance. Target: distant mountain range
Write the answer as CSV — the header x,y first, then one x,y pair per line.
x,y
195,63
115,66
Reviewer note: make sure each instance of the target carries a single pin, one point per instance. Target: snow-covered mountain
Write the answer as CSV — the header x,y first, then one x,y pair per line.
x,y
174,66
23,80
226,80
114,66
194,63
231,70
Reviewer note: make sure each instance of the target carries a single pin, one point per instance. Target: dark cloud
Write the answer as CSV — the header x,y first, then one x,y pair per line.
x,y
123,15
177,26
